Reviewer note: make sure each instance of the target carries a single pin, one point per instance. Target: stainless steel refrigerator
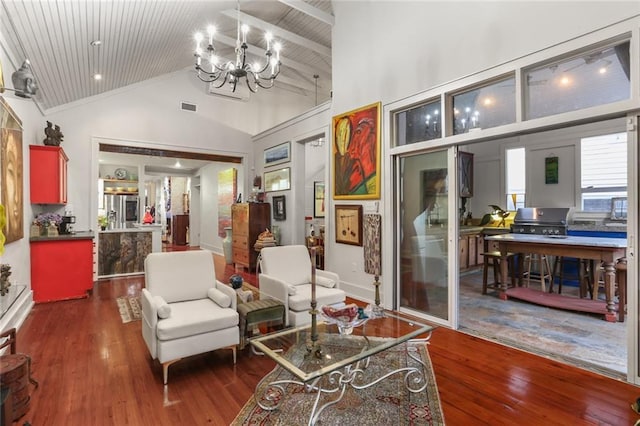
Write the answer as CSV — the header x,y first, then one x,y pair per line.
x,y
122,210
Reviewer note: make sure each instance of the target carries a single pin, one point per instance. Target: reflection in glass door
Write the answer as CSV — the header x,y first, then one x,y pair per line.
x,y
424,193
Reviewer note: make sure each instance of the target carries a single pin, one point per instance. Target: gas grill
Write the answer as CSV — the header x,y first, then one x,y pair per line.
x,y
541,221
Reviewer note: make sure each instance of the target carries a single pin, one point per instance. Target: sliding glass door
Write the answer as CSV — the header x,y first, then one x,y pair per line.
x,y
426,185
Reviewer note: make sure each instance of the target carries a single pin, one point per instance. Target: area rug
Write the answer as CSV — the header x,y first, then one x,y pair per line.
x,y
130,309
387,402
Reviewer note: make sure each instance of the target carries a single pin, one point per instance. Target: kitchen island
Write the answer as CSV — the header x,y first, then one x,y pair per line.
x,y
122,252
604,250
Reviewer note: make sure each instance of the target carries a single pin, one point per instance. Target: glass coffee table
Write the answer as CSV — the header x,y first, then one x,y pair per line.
x,y
324,367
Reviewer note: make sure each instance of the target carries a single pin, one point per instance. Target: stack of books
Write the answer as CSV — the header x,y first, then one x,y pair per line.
x,y
265,239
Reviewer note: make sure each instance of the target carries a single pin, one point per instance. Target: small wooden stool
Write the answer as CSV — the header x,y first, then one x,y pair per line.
x,y
495,258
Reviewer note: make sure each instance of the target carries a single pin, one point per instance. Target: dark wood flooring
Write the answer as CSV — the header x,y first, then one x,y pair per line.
x,y
94,370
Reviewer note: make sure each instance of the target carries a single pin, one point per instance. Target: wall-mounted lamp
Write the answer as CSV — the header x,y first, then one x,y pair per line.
x,y
24,82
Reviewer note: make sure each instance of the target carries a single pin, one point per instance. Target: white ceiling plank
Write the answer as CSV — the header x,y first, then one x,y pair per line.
x,y
310,10
280,32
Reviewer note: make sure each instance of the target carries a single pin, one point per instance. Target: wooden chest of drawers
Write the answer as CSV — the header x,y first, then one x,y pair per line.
x,y
248,220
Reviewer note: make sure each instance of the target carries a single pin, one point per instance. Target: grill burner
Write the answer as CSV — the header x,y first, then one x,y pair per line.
x,y
541,221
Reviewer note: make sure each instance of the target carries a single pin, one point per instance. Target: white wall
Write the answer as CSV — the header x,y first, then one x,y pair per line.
x,y
149,113
17,253
312,123
564,143
405,47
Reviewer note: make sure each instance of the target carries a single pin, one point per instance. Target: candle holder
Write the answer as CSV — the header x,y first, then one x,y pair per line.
x,y
313,346
377,311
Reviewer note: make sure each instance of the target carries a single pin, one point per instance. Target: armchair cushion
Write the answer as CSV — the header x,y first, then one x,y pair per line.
x,y
164,310
324,296
292,289
219,297
195,317
325,282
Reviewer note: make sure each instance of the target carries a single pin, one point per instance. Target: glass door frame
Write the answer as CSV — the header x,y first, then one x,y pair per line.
x,y
452,236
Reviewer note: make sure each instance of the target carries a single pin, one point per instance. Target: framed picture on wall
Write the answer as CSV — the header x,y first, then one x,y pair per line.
x,y
356,154
279,208
277,180
277,154
348,220
318,199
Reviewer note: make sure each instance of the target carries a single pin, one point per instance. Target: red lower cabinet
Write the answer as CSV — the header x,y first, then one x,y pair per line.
x,y
61,269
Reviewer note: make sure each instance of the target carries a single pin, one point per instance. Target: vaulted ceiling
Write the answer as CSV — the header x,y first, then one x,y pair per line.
x,y
143,39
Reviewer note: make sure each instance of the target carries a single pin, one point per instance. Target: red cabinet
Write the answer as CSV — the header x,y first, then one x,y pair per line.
x,y
48,165
61,269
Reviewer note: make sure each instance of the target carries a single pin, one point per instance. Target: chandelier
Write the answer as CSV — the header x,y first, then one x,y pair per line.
x,y
256,75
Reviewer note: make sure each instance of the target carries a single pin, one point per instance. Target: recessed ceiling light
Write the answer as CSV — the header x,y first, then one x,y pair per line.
x,y
97,76
177,165
96,43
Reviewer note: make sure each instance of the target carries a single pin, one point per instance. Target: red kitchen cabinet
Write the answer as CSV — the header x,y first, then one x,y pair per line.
x,y
48,165
61,269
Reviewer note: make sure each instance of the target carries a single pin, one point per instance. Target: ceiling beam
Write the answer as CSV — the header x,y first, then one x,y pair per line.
x,y
259,52
165,153
306,8
277,31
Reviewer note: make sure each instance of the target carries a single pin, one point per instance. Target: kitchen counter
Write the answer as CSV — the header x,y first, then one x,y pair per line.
x,y
136,228
82,235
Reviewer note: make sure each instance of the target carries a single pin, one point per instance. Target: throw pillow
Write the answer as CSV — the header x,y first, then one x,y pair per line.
x,y
219,297
163,308
292,290
325,282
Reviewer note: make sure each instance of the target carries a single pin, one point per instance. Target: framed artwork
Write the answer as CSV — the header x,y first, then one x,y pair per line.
x,y
551,170
227,192
348,220
318,199
11,169
277,180
277,154
279,208
356,154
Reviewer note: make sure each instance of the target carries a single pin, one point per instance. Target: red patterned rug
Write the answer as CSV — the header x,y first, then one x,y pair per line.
x,y
387,402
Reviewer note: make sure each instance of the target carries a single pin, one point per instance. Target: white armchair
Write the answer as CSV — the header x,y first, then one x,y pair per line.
x,y
185,310
286,276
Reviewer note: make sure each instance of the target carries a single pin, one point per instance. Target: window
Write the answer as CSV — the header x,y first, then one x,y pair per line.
x,y
515,182
597,77
420,123
604,170
491,105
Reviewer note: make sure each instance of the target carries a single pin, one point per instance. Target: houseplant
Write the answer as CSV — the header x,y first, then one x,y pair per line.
x,y
103,221
48,223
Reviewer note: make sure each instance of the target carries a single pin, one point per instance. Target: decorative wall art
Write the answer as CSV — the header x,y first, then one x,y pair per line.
x,y
318,199
348,220
279,208
356,153
551,170
227,188
11,191
277,154
277,180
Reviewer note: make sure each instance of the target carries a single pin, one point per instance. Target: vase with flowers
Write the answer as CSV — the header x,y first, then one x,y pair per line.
x,y
48,223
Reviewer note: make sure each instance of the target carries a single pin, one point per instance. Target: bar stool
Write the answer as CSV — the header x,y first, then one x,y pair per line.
x,y
582,274
495,257
544,272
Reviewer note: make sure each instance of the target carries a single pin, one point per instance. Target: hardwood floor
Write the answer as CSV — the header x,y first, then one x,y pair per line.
x,y
94,370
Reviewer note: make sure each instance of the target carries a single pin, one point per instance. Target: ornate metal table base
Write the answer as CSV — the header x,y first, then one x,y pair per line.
x,y
336,382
